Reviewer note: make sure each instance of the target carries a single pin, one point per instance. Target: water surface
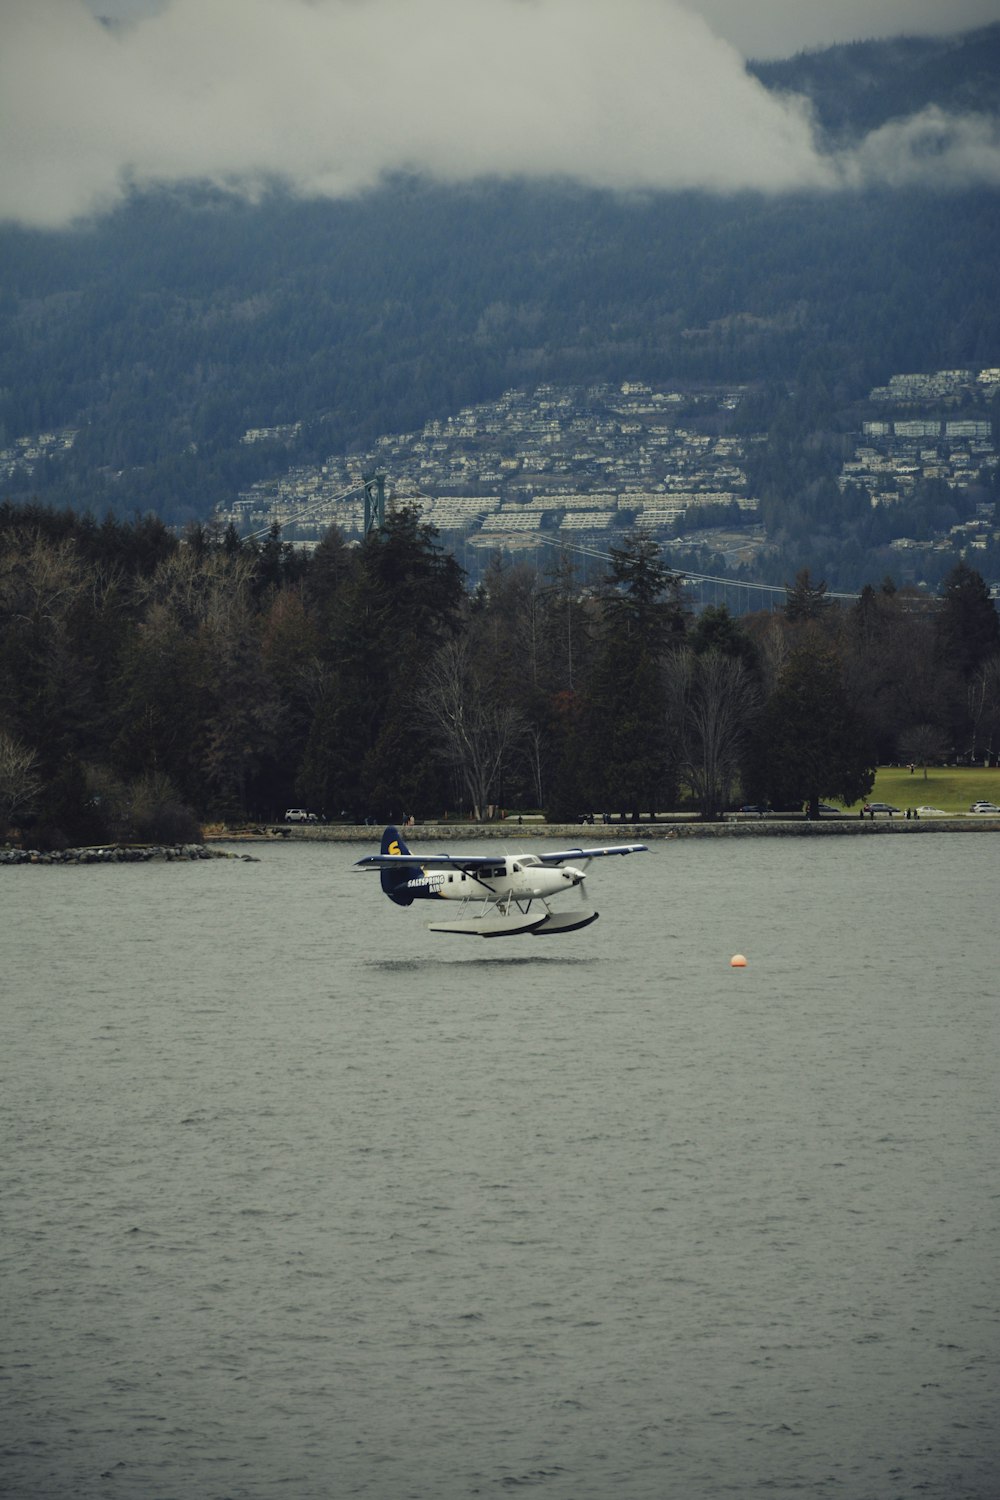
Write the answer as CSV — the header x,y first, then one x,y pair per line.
x,y
299,1199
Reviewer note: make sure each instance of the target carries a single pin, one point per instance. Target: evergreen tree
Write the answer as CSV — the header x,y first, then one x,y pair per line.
x,y
716,629
805,600
812,742
968,624
626,762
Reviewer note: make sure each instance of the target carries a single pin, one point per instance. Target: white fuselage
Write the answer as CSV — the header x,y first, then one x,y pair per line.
x,y
509,879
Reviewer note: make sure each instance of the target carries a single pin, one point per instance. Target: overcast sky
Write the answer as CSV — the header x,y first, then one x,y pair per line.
x,y
331,94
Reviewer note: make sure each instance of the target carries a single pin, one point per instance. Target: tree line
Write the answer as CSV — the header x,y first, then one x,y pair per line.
x,y
149,684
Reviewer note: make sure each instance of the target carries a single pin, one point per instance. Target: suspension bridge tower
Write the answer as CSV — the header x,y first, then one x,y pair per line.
x,y
374,502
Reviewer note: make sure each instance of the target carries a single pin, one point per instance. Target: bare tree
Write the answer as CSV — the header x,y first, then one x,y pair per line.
x,y
472,728
199,587
769,634
534,760
922,743
39,581
983,697
712,701
19,784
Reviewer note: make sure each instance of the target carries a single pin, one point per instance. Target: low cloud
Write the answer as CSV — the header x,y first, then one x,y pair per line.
x,y
932,149
330,95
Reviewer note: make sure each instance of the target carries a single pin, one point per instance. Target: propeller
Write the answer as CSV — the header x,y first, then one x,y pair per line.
x,y
578,878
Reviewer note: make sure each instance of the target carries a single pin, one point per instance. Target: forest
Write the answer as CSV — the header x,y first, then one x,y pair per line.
x,y
151,684
859,86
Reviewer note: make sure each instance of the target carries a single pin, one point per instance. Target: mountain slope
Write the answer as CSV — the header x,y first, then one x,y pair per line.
x,y
860,86
167,328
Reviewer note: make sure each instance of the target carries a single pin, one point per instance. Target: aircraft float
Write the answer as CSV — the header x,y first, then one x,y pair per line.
x,y
501,895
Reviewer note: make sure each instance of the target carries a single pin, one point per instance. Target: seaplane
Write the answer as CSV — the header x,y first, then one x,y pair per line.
x,y
500,895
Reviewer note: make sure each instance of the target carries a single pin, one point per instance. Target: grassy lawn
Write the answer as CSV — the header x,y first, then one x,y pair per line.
x,y
952,788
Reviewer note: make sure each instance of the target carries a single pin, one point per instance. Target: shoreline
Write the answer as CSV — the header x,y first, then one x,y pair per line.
x,y
602,833
577,835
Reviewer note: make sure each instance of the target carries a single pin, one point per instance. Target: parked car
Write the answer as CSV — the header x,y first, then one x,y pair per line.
x,y
870,808
932,812
299,815
824,807
984,807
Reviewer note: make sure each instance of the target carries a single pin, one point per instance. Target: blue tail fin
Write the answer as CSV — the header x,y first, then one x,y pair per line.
x,y
395,879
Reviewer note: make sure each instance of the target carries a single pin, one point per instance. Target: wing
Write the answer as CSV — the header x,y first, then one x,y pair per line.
x,y
566,856
470,863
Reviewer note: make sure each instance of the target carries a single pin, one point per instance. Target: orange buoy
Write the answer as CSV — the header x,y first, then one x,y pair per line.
x,y
737,961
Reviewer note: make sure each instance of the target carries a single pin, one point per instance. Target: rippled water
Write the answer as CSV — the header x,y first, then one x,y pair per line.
x,y
301,1200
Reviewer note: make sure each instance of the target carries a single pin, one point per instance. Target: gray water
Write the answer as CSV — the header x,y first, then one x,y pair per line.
x,y
300,1200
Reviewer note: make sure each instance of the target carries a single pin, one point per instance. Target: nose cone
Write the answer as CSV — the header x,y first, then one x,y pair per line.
x,y
574,876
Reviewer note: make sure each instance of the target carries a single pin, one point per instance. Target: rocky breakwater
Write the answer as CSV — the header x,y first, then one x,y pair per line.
x,y
116,854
